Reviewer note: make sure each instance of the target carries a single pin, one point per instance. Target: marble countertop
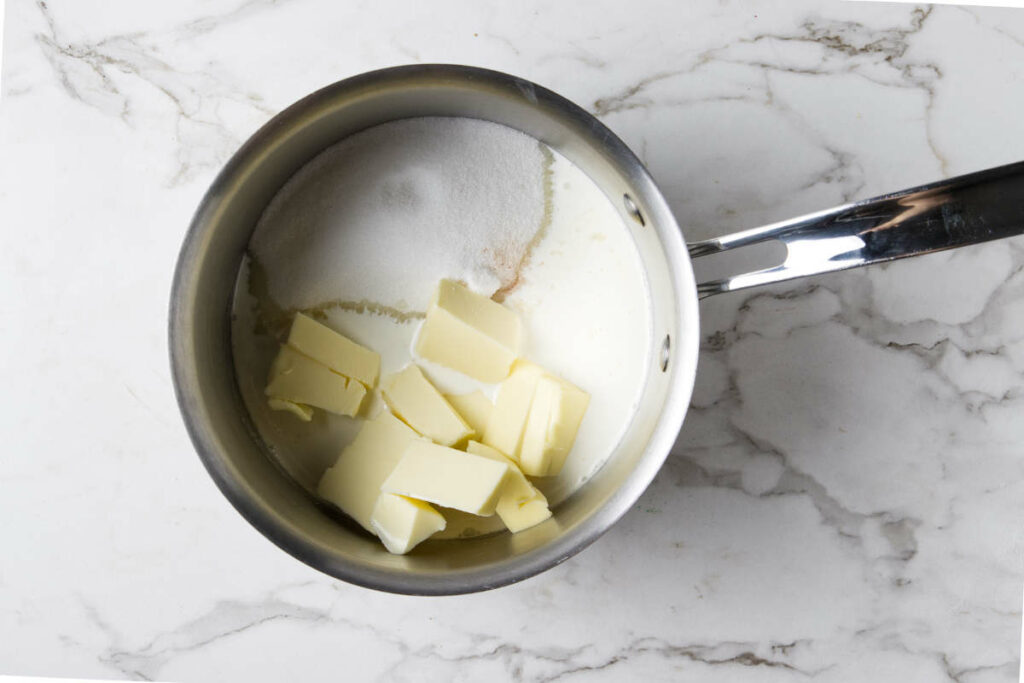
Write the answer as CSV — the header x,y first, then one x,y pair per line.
x,y
845,501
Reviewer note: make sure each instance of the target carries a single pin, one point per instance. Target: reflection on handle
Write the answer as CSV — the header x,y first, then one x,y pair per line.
x,y
969,209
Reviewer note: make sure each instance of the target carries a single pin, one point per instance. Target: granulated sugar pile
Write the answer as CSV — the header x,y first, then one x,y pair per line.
x,y
386,213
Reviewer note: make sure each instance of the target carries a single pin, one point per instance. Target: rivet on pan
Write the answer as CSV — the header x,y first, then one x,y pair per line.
x,y
665,346
633,210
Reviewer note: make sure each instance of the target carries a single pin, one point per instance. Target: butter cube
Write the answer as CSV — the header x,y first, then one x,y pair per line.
x,y
300,379
353,483
517,487
403,523
470,333
448,477
520,516
334,350
475,409
521,505
511,409
464,525
555,416
415,400
304,413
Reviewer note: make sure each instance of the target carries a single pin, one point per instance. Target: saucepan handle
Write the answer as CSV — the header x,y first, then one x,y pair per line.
x,y
968,209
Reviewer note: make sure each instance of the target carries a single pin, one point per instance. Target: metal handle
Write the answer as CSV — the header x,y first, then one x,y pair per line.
x,y
968,209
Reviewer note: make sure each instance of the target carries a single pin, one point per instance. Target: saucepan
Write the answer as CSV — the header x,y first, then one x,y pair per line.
x,y
950,213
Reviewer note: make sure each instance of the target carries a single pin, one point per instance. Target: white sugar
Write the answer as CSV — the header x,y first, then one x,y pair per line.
x,y
386,213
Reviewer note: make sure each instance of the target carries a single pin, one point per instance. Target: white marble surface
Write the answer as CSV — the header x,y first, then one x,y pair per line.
x,y
846,499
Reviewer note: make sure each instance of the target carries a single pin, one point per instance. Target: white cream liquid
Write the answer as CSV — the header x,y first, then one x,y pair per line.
x,y
361,235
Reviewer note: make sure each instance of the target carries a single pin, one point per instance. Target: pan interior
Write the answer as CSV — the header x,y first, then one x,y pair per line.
x,y
359,237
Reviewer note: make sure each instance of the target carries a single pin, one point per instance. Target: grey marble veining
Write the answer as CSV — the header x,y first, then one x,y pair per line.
x,y
844,502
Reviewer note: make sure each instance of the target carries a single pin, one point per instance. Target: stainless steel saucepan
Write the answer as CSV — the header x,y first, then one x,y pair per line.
x,y
951,213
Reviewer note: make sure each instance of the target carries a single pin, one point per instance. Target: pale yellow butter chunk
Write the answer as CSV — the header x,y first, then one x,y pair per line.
x,y
334,350
304,413
300,379
555,415
403,523
521,505
517,488
415,400
464,525
511,408
520,516
445,476
353,483
470,333
475,409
